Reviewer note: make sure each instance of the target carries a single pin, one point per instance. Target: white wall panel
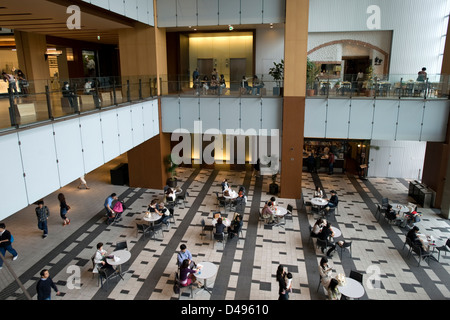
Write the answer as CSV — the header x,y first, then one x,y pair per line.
x,y
117,6
12,187
361,117
142,11
186,13
166,13
435,120
91,140
170,112
131,9
69,150
229,12
207,12
230,112
337,118
151,17
274,11
251,114
272,114
124,125
100,3
155,117
137,121
315,117
409,120
189,113
209,113
110,135
251,11
39,162
385,119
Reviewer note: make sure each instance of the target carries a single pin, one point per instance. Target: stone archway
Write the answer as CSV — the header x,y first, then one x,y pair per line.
x,y
359,44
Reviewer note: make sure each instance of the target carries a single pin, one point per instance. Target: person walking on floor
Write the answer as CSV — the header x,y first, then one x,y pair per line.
x,y
83,182
42,214
64,208
6,240
45,285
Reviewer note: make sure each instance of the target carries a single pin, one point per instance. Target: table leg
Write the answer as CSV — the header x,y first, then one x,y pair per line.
x,y
205,287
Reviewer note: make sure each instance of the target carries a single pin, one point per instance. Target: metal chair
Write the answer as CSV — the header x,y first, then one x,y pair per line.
x,y
356,276
346,246
106,274
121,246
140,227
408,242
384,203
205,227
177,282
219,237
322,244
221,201
445,248
157,227
421,253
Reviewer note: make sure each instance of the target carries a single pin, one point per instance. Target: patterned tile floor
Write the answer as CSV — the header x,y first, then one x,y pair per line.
x,y
246,266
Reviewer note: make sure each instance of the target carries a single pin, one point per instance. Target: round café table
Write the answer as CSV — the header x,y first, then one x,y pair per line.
x,y
119,257
321,203
229,198
336,231
352,288
225,221
152,218
207,271
279,213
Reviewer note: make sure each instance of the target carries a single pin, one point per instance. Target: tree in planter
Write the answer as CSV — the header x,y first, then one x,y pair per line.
x,y
312,70
172,170
273,163
277,73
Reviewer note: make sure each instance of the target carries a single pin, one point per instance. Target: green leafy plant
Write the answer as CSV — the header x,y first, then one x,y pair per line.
x,y
312,70
277,72
171,167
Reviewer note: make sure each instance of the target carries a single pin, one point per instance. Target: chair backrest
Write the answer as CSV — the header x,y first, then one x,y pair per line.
x,y
384,202
448,243
356,276
218,236
140,226
289,208
121,245
347,244
322,243
203,222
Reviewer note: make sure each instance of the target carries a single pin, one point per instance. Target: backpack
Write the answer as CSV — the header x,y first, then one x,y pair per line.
x,y
12,239
176,287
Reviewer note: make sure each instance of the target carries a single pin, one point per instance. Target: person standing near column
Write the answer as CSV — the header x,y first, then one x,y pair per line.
x,y
6,243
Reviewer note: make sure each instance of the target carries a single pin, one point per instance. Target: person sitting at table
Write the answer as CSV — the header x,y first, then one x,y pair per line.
x,y
184,254
100,258
392,215
333,201
267,212
318,193
412,235
273,200
225,185
235,227
170,195
317,227
164,213
220,227
326,234
325,272
187,274
333,291
241,199
153,206
422,75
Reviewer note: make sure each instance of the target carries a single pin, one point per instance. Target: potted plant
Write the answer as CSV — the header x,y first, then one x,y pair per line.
x,y
171,169
273,187
312,70
277,73
368,83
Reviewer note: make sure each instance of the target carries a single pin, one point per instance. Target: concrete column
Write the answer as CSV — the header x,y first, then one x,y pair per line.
x,y
295,52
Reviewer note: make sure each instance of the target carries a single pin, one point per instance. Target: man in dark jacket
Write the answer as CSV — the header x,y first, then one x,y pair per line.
x,y
42,214
5,243
45,285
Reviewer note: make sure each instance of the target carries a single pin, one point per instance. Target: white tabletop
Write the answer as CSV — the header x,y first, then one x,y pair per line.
x,y
336,231
429,241
279,211
232,195
399,207
225,221
207,271
123,255
152,217
319,201
352,288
